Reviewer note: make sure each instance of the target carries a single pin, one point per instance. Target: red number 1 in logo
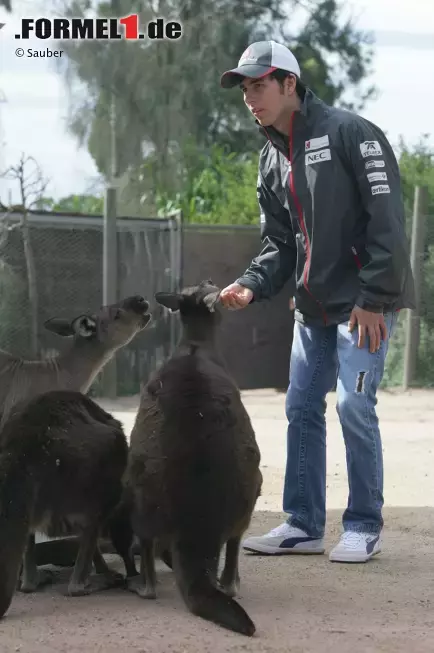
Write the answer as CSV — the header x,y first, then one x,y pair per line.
x,y
131,24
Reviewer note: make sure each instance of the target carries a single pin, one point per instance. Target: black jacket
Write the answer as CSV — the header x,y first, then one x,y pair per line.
x,y
332,212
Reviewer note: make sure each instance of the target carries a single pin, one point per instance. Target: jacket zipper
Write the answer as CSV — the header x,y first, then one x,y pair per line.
x,y
302,224
300,220
356,257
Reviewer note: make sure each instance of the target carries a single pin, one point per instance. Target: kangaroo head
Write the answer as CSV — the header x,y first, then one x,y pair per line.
x,y
196,304
111,327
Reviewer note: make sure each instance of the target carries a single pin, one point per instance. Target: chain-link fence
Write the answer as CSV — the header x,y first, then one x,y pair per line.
x,y
67,252
61,275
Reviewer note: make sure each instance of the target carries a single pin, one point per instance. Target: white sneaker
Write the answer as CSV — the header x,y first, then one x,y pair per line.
x,y
356,547
284,539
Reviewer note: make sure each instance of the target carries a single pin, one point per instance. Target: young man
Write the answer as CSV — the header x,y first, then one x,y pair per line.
x,y
331,211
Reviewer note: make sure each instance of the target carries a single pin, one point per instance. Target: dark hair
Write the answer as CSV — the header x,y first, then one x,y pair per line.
x,y
280,75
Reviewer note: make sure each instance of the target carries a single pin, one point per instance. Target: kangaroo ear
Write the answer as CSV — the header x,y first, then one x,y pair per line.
x,y
84,326
171,300
59,326
210,300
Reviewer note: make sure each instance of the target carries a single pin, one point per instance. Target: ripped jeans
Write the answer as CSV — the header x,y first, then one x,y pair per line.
x,y
319,357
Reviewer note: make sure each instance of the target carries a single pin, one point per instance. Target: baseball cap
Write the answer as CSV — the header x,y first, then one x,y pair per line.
x,y
260,59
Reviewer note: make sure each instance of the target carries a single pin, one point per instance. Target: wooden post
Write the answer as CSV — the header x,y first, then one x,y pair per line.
x,y
417,253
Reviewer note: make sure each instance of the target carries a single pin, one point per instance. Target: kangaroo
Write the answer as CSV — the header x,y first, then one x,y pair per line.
x,y
95,339
61,464
193,472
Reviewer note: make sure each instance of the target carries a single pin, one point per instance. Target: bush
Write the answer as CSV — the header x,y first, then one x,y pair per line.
x,y
221,190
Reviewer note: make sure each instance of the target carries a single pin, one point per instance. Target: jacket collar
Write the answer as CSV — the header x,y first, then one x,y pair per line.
x,y
311,107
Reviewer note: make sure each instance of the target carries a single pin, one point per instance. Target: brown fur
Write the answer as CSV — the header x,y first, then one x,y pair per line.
x,y
61,466
193,467
95,339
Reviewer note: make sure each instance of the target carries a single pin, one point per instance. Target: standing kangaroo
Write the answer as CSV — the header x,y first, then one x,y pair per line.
x,y
95,339
193,471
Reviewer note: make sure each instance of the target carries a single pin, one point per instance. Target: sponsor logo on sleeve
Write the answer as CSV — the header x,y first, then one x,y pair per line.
x,y
370,148
318,157
377,176
316,143
374,164
380,189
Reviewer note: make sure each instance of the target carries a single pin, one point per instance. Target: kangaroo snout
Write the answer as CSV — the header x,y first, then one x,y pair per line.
x,y
139,304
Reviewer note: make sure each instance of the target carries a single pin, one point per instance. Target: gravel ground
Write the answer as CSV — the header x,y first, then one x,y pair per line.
x,y
299,604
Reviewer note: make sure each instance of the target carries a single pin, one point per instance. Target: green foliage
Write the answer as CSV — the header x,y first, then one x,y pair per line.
x,y
84,204
417,168
220,190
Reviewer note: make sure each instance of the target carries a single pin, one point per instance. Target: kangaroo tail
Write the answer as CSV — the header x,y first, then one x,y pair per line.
x,y
202,597
15,506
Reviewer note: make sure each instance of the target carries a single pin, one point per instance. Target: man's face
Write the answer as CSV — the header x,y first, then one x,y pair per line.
x,y
266,99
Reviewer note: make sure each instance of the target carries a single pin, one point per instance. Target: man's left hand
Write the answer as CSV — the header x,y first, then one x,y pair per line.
x,y
371,323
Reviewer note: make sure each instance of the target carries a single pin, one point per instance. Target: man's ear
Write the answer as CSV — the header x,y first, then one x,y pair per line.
x,y
84,326
291,83
171,300
60,326
211,299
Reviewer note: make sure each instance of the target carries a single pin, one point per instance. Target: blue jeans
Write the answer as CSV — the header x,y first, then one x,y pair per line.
x,y
319,357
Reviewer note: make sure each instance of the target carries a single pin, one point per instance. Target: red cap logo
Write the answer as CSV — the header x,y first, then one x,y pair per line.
x,y
246,54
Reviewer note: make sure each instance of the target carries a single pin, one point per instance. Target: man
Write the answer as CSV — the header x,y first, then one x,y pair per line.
x,y
331,212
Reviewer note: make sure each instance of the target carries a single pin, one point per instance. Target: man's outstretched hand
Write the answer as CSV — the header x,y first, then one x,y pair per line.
x,y
369,323
235,296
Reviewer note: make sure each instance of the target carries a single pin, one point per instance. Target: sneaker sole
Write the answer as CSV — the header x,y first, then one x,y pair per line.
x,y
351,557
272,550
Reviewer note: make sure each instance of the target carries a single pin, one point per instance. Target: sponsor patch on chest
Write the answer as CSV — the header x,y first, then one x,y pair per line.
x,y
318,157
370,148
316,143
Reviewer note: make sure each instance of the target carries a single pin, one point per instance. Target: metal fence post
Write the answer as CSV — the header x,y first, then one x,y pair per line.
x,y
417,253
110,251
110,280
176,249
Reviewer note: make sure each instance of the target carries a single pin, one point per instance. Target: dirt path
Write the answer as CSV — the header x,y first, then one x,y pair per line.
x,y
299,604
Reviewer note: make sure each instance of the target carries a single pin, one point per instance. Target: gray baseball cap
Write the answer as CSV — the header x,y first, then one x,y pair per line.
x,y
260,59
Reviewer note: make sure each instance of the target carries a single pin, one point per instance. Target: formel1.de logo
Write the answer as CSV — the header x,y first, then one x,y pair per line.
x,y
99,28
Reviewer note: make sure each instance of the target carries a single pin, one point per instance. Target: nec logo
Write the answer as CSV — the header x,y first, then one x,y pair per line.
x,y
318,157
